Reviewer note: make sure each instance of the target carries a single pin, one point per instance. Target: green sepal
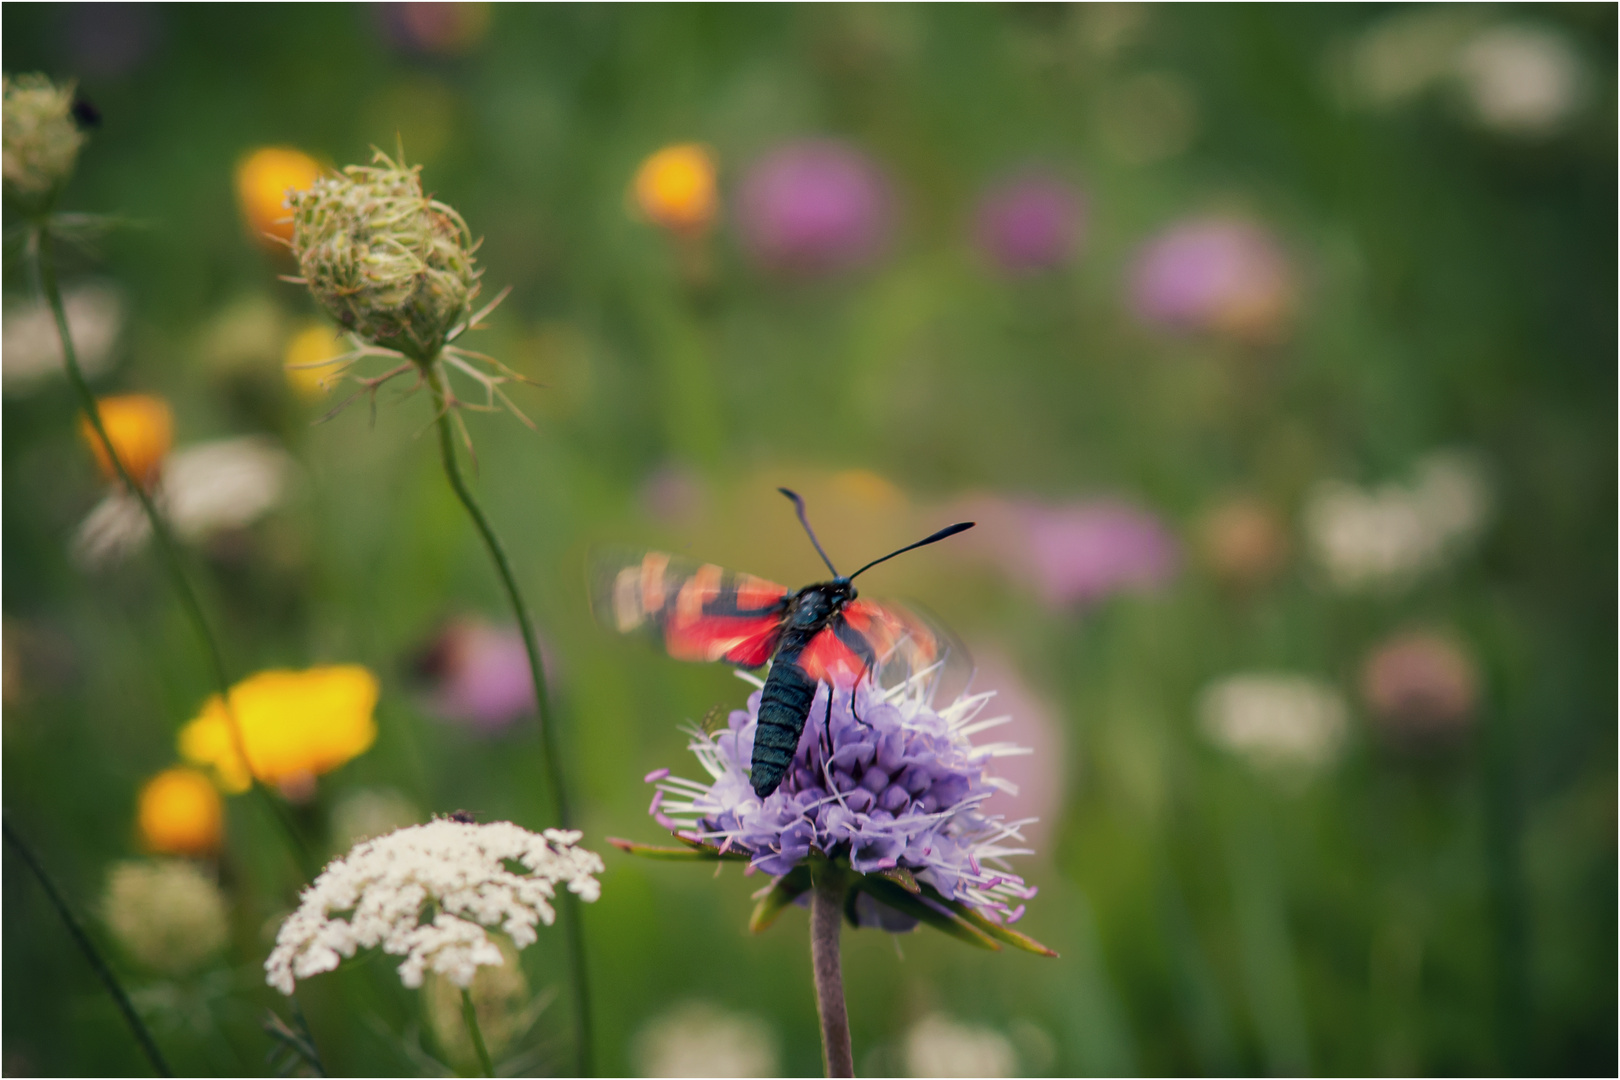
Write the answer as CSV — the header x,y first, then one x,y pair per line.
x,y
694,851
996,930
788,888
887,892
901,877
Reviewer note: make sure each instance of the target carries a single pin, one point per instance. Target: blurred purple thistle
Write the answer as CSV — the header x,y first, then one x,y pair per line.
x,y
814,207
1212,274
480,674
1030,223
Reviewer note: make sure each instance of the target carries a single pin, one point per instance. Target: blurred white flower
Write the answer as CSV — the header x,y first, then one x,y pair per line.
x,y
202,489
460,869
33,352
1275,720
1520,80
1514,78
166,913
1394,534
371,812
939,1046
699,1039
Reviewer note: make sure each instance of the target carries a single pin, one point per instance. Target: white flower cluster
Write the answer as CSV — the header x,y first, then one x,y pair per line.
x,y
461,870
1392,535
1276,720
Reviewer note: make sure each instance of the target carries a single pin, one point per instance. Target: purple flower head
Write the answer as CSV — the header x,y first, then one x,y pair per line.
x,y
480,674
1030,223
901,787
814,207
1213,274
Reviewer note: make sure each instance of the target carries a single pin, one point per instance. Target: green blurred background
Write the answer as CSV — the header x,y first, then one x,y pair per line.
x,y
1391,906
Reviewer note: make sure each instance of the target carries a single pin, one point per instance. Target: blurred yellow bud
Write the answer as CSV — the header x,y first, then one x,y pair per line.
x,y
675,188
263,179
141,429
179,812
315,343
294,725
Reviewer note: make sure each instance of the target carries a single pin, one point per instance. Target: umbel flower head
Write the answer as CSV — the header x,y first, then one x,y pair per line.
x,y
395,267
41,140
459,872
890,797
166,913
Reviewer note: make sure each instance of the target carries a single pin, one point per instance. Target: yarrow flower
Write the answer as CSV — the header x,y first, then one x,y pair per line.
x,y
166,913
459,871
395,267
893,794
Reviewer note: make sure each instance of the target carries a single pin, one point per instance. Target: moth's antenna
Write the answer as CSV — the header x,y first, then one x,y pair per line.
x,y
799,505
949,530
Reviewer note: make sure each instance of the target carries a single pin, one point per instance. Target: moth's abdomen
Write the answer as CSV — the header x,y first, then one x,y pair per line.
x,y
783,706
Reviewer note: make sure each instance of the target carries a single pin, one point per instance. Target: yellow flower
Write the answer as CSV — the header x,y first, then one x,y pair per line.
x,y
318,341
675,188
141,429
180,813
263,179
294,725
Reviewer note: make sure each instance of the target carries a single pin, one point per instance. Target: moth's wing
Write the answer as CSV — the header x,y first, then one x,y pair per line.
x,y
696,611
911,644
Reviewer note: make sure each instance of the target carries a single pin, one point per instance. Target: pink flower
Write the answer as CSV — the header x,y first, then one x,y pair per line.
x,y
1076,552
1420,687
1215,275
480,674
814,207
1030,223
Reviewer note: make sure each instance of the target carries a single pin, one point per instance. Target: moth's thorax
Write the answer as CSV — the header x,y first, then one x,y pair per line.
x,y
813,605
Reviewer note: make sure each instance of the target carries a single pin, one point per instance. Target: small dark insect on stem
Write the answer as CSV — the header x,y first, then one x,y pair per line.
x,y
45,263
103,972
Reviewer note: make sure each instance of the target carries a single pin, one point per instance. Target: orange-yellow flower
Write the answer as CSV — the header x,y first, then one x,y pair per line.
x,y
263,179
315,343
675,188
141,429
180,813
294,726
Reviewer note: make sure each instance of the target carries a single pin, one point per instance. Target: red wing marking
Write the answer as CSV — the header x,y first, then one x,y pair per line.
x,y
892,632
828,659
699,611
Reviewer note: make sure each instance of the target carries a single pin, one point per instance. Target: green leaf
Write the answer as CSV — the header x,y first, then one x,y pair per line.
x,y
788,888
886,891
694,851
901,877
996,930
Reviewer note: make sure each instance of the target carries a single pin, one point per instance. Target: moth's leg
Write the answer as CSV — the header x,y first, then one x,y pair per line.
x,y
866,672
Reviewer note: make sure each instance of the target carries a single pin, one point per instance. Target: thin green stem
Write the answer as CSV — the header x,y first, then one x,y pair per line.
x,y
826,923
573,932
470,1015
108,979
168,550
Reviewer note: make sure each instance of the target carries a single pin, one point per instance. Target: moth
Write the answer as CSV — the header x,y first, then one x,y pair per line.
x,y
822,633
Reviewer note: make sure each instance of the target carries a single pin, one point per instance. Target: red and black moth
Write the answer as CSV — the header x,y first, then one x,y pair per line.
x,y
821,633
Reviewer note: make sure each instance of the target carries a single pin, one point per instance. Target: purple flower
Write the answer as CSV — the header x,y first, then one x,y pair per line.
x,y
1074,553
814,207
1030,223
480,674
1213,274
902,787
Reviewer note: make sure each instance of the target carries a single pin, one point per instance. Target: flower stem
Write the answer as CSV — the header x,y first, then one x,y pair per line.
x,y
826,923
470,1015
572,930
108,979
45,263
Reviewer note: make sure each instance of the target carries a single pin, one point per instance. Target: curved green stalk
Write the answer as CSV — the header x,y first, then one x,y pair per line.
x,y
108,979
470,1015
567,902
40,242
